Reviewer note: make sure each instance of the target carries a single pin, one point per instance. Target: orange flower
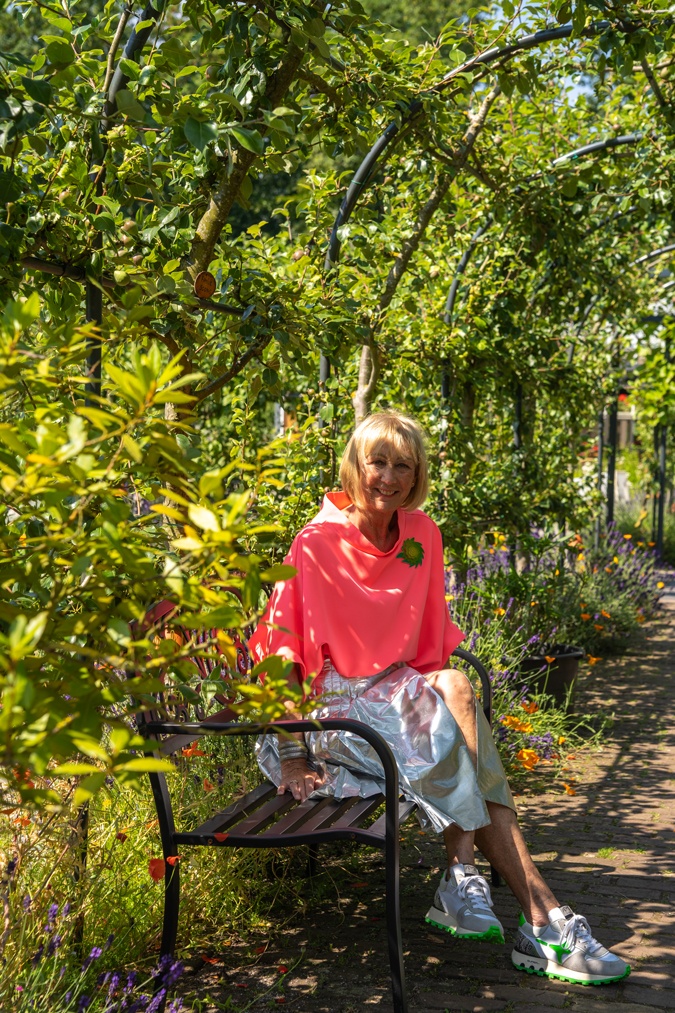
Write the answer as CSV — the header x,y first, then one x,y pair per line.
x,y
651,544
592,660
549,659
605,614
530,708
516,724
528,757
209,960
172,859
640,619
627,537
207,785
500,612
533,603
157,868
598,626
192,750
569,790
561,740
608,569
660,585
585,616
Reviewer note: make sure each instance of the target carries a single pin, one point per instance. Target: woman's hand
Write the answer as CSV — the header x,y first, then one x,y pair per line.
x,y
299,778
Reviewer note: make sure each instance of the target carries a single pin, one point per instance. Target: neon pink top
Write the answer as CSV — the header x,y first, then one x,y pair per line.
x,y
363,608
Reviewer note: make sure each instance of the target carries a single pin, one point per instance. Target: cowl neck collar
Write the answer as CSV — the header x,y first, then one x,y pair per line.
x,y
333,512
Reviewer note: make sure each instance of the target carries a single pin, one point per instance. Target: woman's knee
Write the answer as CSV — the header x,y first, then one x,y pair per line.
x,y
454,686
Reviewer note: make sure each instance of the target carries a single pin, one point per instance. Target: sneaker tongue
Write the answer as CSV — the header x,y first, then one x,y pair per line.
x,y
560,914
470,870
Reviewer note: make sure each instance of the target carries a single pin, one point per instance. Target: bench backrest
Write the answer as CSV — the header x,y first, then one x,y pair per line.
x,y
211,664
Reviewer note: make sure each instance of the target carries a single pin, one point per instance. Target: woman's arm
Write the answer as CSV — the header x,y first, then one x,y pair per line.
x,y
297,776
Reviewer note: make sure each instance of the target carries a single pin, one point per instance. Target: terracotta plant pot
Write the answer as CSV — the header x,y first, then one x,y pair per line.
x,y
557,677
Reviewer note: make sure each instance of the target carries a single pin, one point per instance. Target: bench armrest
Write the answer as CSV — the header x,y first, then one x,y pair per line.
x,y
197,728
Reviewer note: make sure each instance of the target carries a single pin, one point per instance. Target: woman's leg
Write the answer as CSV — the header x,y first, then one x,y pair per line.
x,y
501,842
455,690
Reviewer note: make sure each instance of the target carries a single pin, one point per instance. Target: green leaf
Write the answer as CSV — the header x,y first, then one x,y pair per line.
x,y
38,89
199,134
89,787
249,139
203,517
104,223
130,68
60,53
129,106
147,765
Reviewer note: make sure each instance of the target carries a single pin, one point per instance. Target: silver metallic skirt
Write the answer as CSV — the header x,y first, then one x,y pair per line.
x,y
435,768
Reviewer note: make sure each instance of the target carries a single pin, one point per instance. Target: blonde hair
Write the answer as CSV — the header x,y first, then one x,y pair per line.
x,y
386,429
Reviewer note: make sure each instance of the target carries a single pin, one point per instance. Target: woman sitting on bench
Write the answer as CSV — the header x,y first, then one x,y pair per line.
x,y
367,612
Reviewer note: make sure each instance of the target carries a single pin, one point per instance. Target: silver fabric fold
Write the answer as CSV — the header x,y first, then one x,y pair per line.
x,y
435,768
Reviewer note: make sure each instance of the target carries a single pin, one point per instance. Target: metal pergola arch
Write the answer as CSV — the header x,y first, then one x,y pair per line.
x,y
149,17
372,161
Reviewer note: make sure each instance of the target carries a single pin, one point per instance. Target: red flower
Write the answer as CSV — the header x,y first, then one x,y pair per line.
x,y
172,859
260,949
209,960
221,837
280,999
121,836
207,785
157,868
282,969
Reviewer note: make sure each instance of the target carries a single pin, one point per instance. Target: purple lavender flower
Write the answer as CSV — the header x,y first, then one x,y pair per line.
x,y
37,956
95,953
53,945
66,909
27,902
83,1003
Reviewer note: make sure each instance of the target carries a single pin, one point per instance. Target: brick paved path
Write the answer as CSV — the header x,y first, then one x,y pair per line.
x,y
608,852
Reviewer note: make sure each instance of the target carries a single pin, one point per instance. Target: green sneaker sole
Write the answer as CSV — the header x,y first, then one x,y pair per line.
x,y
492,935
565,977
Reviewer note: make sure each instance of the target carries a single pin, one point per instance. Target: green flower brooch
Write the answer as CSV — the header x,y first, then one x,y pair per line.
x,y
412,552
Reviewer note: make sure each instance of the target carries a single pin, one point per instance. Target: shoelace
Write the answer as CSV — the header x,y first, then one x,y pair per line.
x,y
475,890
577,930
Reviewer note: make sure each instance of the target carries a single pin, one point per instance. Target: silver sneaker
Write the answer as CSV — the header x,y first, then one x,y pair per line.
x,y
463,906
566,949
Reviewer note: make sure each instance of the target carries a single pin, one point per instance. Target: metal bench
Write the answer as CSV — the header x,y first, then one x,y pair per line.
x,y
263,819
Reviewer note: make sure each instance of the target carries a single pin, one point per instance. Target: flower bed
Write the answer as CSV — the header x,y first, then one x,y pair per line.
x,y
566,592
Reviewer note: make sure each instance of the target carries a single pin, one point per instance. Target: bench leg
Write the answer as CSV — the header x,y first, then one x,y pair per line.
x,y
312,860
394,925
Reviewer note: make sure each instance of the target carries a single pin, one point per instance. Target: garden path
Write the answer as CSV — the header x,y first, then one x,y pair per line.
x,y
607,851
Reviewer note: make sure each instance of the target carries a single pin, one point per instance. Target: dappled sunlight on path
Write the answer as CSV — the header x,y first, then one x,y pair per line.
x,y
608,851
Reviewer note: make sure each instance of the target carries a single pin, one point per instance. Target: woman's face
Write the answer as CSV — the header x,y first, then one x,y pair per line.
x,y
387,478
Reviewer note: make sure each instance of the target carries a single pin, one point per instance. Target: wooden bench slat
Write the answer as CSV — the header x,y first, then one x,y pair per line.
x,y
265,815
242,807
325,815
358,812
295,820
405,809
